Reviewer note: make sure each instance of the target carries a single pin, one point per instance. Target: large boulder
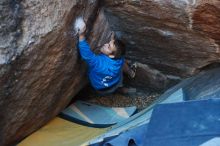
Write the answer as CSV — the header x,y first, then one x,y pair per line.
x,y
40,70
172,38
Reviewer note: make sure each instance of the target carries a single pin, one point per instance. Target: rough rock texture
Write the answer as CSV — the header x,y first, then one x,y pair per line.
x,y
10,16
175,37
40,70
39,65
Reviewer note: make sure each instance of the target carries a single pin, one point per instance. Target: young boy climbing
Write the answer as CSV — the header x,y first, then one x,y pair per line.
x,y
105,70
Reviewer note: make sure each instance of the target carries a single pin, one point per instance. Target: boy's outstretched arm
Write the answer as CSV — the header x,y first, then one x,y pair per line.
x,y
85,50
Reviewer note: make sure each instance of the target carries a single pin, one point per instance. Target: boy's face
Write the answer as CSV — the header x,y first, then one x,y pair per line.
x,y
107,49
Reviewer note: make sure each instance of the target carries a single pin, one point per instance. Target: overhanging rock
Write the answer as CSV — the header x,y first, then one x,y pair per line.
x,y
40,70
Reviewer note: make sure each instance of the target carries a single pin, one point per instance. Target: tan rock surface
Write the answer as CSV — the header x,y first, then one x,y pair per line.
x,y
40,70
177,38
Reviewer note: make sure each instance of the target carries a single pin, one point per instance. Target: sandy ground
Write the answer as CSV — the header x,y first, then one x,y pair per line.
x,y
140,99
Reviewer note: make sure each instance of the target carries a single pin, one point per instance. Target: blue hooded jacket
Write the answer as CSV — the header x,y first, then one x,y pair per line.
x,y
103,71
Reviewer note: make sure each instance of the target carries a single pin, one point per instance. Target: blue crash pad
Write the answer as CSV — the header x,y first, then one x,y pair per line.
x,y
96,116
193,123
204,86
132,137
189,123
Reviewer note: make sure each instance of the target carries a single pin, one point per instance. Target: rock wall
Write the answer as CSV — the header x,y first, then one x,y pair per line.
x,y
40,69
175,37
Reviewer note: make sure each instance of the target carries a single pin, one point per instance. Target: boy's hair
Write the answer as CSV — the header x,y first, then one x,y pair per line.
x,y
120,49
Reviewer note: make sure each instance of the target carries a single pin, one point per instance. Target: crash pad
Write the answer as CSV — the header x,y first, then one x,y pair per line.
x,y
132,137
194,123
60,132
95,115
190,123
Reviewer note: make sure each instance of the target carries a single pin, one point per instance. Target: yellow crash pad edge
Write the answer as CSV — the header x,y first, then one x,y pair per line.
x,y
60,132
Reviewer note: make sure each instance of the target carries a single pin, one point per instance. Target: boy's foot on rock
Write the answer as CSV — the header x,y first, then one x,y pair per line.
x,y
133,69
